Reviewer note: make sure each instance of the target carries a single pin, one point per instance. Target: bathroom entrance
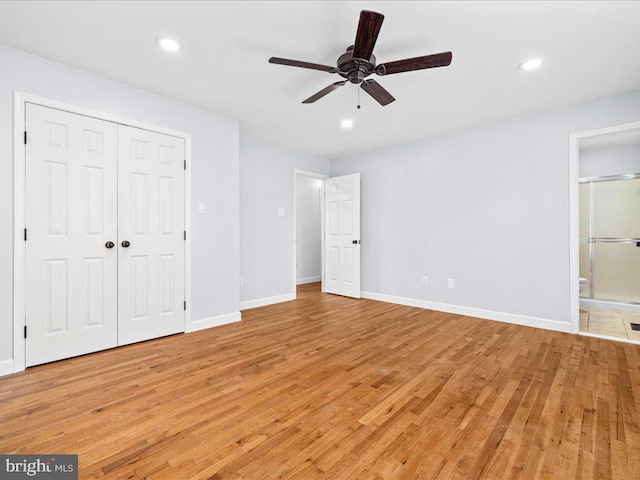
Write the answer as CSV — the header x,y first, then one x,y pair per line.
x,y
609,235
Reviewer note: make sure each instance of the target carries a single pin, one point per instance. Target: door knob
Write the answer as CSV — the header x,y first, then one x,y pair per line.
x,y
109,244
355,242
126,243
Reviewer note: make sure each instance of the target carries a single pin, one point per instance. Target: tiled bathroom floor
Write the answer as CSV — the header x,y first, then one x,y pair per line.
x,y
613,323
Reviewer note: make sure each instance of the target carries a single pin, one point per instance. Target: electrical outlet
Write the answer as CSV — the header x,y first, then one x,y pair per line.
x,y
425,280
281,212
450,282
241,281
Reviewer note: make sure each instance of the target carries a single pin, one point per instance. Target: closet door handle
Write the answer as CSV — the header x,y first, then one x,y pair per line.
x,y
109,244
126,244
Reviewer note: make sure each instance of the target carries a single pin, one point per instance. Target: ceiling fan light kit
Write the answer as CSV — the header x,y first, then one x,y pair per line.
x,y
358,62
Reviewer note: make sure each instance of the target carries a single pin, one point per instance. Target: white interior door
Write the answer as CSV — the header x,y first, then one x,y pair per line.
x,y
150,235
71,214
342,235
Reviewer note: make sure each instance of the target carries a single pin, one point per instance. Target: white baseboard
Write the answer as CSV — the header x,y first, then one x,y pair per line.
x,y
304,281
473,312
213,321
6,367
261,302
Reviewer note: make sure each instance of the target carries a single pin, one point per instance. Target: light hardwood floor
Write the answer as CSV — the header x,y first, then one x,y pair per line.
x,y
334,388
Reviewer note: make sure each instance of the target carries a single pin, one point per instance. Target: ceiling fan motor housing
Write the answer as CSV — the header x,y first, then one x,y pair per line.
x,y
358,62
355,69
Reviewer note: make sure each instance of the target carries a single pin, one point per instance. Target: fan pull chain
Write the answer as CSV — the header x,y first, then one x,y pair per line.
x,y
359,96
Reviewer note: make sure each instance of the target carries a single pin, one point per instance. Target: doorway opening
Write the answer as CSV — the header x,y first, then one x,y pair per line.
x,y
605,232
338,204
308,227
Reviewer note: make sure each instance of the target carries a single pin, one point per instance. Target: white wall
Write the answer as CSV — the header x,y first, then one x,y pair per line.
x,y
215,170
488,207
308,229
604,161
266,240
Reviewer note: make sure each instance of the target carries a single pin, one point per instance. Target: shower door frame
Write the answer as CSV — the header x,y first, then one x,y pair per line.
x,y
592,239
574,206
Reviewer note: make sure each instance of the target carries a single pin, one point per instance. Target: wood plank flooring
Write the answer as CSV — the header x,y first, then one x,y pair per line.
x,y
334,388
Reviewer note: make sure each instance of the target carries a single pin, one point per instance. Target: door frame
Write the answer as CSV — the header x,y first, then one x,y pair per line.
x,y
574,206
322,177
20,100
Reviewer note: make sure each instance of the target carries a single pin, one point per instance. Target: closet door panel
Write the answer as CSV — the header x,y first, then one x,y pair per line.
x,y
71,214
151,235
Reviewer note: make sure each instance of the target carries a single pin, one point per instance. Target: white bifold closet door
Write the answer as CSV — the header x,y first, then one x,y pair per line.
x,y
151,221
71,214
90,186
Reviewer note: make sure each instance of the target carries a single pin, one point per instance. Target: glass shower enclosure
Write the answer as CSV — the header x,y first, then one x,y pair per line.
x,y
610,237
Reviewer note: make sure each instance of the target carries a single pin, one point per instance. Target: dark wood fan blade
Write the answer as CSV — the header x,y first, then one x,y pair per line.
x,y
324,92
367,34
417,63
378,93
298,63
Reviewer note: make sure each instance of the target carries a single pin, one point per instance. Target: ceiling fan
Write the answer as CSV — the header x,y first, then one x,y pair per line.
x,y
358,62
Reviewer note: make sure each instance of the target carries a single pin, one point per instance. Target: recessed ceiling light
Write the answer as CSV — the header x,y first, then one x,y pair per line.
x,y
530,64
346,123
168,44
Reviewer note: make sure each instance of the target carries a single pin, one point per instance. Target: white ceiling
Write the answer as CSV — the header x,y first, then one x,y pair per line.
x,y
591,49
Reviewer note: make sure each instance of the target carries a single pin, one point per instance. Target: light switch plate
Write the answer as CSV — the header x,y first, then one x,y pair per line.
x,y
202,208
281,212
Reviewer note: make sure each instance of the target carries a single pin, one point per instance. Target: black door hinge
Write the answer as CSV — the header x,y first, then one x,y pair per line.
x,y
185,164
25,234
185,305
185,234
25,137
25,331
